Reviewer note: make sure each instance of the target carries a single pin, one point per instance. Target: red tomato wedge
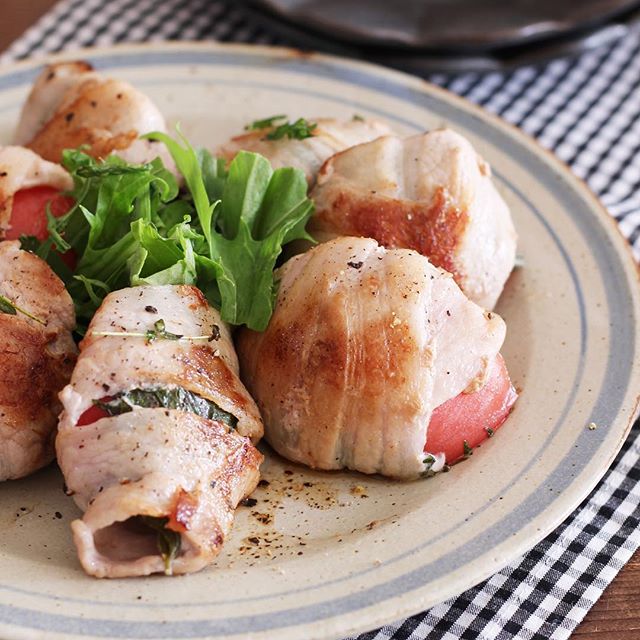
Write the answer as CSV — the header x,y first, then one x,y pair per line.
x,y
471,417
28,214
93,414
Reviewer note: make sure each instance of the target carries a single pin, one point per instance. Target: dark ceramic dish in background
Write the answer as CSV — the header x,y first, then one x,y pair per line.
x,y
450,35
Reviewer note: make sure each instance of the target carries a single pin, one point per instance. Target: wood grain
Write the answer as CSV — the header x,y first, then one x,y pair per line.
x,y
616,616
18,15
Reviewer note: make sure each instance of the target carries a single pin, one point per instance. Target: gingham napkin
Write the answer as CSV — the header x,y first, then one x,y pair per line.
x,y
588,112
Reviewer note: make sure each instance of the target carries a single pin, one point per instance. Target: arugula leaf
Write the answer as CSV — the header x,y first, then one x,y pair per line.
x,y
285,199
109,197
188,164
214,174
92,286
244,191
106,269
210,273
258,215
106,195
160,260
248,266
131,225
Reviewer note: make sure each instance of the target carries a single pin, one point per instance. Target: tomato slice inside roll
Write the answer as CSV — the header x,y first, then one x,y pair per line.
x,y
472,417
29,211
91,415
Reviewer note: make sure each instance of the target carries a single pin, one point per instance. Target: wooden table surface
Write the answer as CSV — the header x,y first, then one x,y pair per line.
x,y
616,616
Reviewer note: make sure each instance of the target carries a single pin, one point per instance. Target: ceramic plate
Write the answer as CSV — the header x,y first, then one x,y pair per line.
x,y
327,555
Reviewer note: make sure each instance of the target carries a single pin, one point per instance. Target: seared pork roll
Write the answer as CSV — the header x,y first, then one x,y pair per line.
x,y
308,154
159,488
70,105
432,193
203,363
21,170
155,440
38,353
364,345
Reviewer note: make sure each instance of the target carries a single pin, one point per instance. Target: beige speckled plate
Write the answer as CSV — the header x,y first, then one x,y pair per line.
x,y
326,555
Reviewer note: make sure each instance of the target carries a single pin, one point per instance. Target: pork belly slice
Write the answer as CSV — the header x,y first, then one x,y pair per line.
x,y
185,471
37,359
363,345
188,471
21,168
329,137
114,364
70,105
430,192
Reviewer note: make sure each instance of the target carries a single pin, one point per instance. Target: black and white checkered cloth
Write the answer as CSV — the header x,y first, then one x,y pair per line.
x,y
587,111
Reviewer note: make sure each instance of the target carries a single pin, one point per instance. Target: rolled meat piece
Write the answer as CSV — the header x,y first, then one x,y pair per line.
x,y
308,154
364,345
155,440
38,354
113,365
23,170
70,105
149,473
430,192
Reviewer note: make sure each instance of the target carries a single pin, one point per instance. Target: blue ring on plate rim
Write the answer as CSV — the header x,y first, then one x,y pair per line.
x,y
617,372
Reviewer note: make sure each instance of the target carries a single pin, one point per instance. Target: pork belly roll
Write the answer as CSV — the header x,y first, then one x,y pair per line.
x,y
113,365
364,345
24,172
70,105
159,488
432,193
37,352
155,437
308,154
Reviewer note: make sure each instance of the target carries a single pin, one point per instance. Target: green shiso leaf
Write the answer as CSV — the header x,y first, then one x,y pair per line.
x,y
167,540
173,398
132,225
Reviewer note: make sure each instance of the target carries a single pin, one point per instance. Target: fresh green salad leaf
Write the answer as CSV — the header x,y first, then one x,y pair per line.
x,y
245,230
132,225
